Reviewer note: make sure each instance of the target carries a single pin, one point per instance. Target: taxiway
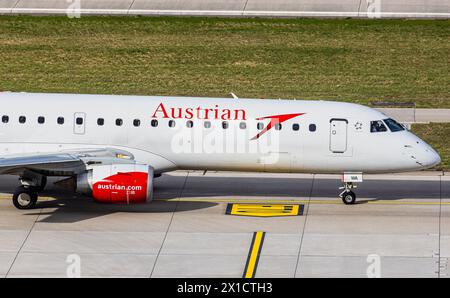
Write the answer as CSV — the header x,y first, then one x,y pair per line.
x,y
185,232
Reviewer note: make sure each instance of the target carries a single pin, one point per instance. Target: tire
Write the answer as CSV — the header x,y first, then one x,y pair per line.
x,y
24,198
349,198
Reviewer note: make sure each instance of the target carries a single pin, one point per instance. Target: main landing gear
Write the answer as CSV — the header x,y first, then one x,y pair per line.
x,y
26,195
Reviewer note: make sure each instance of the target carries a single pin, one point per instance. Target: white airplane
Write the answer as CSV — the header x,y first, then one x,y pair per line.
x,y
112,147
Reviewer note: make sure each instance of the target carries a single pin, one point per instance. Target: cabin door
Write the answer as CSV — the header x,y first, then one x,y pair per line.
x,y
338,135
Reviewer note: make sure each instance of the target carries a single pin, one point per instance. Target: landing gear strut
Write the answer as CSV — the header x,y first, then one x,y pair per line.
x,y
25,197
42,184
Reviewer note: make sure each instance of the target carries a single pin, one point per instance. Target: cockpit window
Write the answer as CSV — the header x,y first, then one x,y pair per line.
x,y
393,125
377,126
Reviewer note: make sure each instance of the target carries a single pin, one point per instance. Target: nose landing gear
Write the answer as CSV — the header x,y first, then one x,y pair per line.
x,y
348,196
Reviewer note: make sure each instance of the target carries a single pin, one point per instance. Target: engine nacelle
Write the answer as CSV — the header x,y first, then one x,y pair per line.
x,y
117,183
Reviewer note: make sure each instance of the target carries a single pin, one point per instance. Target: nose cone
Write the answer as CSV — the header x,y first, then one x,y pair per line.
x,y
421,153
432,158
427,156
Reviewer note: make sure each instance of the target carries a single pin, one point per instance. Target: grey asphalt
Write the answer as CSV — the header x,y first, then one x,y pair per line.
x,y
287,8
405,220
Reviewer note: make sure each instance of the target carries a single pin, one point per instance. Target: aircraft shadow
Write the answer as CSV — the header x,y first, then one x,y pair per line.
x,y
80,209
231,187
73,208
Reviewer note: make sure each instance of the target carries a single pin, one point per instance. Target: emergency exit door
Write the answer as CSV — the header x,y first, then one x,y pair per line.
x,y
338,135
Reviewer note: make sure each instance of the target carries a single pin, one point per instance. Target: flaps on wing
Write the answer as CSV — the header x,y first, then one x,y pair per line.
x,y
102,152
16,161
67,160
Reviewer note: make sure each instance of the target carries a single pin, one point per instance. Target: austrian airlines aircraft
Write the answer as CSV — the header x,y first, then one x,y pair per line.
x,y
112,147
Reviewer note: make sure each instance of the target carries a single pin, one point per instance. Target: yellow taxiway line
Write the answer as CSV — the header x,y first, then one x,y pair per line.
x,y
281,201
40,198
253,254
313,201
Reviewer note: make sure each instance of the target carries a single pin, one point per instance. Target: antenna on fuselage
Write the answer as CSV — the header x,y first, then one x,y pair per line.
x,y
234,95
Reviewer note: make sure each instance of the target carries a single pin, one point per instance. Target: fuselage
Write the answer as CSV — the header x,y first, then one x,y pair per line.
x,y
214,133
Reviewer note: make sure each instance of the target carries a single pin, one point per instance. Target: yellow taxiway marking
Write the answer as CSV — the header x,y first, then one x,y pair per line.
x,y
40,198
281,201
264,210
313,201
253,254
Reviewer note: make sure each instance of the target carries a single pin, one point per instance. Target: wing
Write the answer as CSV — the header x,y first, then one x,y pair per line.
x,y
67,162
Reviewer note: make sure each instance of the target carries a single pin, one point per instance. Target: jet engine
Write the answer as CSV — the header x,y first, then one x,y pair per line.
x,y
117,183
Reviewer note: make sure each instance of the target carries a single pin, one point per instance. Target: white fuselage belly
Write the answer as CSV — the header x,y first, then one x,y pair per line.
x,y
336,146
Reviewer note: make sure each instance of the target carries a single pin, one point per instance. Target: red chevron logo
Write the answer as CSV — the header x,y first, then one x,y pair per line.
x,y
274,120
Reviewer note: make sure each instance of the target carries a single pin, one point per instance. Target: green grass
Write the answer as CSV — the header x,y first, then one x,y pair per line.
x,y
438,136
347,60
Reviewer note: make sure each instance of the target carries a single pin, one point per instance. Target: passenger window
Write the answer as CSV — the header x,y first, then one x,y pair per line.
x,y
189,124
22,119
154,123
312,127
79,121
60,120
242,125
278,126
100,121
295,127
5,119
377,126
119,122
224,124
260,126
136,122
172,123
41,120
207,124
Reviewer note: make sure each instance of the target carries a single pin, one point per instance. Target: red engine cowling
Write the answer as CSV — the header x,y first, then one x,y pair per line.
x,y
118,183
